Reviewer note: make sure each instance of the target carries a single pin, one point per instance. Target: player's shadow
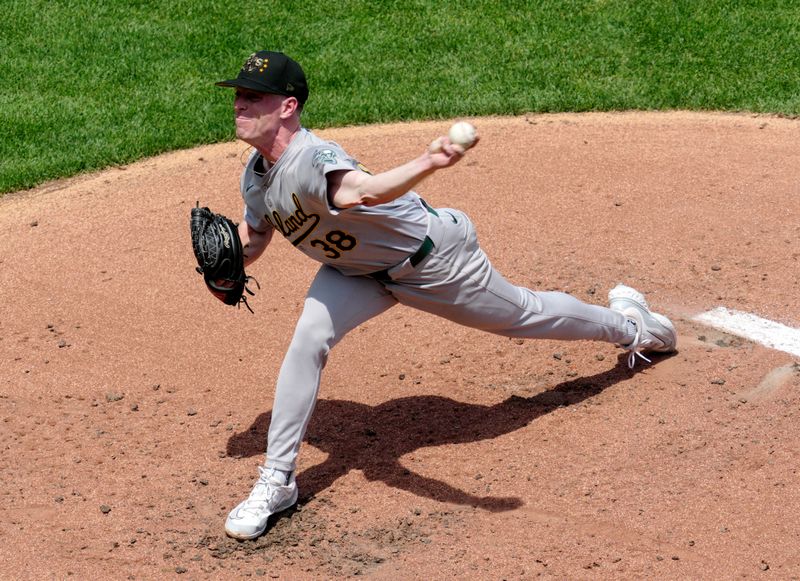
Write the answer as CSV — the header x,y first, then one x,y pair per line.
x,y
373,438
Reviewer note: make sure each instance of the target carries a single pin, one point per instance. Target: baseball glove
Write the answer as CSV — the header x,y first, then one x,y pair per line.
x,y
220,256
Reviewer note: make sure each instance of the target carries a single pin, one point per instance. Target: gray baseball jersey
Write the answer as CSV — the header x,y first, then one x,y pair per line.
x,y
292,198
452,277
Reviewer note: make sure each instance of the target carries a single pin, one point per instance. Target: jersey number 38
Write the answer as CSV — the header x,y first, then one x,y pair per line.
x,y
335,243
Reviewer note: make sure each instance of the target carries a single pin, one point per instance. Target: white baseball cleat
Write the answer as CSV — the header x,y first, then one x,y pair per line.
x,y
269,496
654,332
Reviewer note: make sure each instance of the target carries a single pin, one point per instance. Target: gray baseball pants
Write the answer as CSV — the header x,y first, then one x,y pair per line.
x,y
456,281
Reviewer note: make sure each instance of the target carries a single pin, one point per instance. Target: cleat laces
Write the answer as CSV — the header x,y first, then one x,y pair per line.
x,y
262,492
634,348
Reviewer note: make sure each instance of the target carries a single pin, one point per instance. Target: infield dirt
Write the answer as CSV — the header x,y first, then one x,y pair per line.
x,y
134,406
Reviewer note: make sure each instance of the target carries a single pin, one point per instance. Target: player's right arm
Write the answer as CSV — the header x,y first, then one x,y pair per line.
x,y
253,242
352,188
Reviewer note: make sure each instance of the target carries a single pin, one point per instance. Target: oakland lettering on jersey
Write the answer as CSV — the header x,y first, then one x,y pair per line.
x,y
294,222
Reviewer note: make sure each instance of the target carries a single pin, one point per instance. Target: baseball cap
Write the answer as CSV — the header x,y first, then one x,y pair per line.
x,y
271,72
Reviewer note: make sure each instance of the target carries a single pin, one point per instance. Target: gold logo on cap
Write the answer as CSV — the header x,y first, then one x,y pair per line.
x,y
255,62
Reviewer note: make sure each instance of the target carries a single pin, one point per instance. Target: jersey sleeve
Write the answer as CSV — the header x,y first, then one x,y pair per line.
x,y
255,221
254,208
321,160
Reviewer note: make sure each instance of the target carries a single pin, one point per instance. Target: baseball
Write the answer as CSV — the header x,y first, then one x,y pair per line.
x,y
463,134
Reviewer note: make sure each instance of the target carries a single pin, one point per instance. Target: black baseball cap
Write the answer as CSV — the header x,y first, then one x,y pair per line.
x,y
271,72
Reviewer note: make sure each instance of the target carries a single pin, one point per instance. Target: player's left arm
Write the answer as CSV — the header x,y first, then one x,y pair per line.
x,y
352,188
253,242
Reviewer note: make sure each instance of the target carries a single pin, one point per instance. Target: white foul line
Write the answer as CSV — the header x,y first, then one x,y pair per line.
x,y
763,331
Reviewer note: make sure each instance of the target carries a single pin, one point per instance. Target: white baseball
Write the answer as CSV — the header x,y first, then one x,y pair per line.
x,y
463,134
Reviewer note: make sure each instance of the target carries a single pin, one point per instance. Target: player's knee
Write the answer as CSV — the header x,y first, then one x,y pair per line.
x,y
313,337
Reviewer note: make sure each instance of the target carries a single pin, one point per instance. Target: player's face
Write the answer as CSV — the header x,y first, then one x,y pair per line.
x,y
257,115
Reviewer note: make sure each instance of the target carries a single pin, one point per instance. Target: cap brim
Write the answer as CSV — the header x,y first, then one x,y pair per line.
x,y
244,84
254,86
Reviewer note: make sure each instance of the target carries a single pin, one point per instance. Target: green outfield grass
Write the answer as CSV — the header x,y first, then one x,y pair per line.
x,y
90,83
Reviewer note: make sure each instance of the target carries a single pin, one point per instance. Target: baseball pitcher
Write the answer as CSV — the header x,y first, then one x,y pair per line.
x,y
379,243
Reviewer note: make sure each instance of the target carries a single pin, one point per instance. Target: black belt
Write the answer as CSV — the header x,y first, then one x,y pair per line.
x,y
414,259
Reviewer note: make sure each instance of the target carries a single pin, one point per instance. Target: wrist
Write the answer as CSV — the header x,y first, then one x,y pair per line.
x,y
425,164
